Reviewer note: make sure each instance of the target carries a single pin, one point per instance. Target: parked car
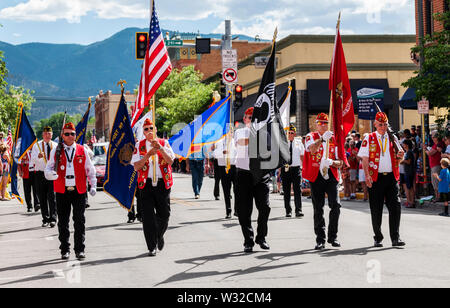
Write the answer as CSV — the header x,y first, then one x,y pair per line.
x,y
100,148
99,162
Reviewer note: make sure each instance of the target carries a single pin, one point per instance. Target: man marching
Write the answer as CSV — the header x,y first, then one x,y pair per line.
x,y
247,190
39,157
26,172
291,174
314,164
73,168
155,196
381,169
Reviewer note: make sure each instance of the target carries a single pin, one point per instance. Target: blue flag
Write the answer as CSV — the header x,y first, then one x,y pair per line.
x,y
82,126
24,139
120,176
208,128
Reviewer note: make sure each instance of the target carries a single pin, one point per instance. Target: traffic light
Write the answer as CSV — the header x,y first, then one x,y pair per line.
x,y
141,45
238,96
222,87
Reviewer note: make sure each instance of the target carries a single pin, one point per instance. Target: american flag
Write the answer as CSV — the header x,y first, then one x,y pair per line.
x,y
155,70
9,141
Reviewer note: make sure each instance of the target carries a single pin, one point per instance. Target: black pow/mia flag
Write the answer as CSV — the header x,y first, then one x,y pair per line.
x,y
268,146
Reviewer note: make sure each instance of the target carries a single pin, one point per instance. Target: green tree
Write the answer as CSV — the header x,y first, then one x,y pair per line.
x,y
433,81
55,122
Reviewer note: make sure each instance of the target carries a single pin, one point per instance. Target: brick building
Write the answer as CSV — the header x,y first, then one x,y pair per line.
x,y
210,64
429,8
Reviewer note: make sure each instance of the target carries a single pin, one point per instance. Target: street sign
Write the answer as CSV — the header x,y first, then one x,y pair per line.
x,y
170,43
423,106
229,66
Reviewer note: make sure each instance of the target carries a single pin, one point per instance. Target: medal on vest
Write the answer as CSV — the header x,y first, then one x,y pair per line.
x,y
69,160
144,168
62,167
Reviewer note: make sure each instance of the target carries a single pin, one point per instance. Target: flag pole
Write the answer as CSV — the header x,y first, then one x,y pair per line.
x,y
154,178
330,116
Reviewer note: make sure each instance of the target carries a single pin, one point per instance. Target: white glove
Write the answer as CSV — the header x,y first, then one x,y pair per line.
x,y
327,136
429,149
93,191
327,162
52,176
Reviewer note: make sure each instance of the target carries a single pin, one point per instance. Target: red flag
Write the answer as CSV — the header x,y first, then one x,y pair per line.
x,y
342,104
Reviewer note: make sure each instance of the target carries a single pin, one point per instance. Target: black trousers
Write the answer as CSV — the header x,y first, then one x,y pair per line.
x,y
227,180
136,213
65,203
292,177
155,211
29,185
46,198
318,190
385,189
246,191
217,177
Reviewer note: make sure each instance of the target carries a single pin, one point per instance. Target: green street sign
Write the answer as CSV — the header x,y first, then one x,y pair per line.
x,y
173,43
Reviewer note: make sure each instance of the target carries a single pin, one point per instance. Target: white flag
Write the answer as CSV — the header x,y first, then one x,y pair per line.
x,y
285,109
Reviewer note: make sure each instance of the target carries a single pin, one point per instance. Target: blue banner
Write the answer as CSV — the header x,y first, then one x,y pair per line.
x,y
82,126
208,128
367,98
120,176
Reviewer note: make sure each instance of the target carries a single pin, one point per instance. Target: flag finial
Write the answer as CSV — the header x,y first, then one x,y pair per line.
x,y
275,34
338,25
120,82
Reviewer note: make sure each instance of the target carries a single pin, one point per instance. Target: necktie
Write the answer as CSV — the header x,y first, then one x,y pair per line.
x,y
290,152
48,151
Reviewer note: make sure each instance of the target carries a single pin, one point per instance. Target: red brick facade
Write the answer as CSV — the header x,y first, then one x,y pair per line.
x,y
430,7
210,64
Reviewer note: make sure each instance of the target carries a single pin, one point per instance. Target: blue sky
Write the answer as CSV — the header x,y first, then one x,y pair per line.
x,y
87,21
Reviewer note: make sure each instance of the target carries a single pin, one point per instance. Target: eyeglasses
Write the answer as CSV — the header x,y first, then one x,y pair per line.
x,y
322,123
148,128
383,124
291,133
69,134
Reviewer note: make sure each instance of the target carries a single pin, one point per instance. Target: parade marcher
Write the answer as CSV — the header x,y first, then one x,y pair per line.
x,y
291,174
196,163
247,190
381,169
4,170
216,173
155,196
91,156
26,172
315,161
39,157
227,178
73,168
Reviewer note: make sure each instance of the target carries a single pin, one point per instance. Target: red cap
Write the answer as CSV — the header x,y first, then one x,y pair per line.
x,y
322,117
381,117
147,122
249,111
69,126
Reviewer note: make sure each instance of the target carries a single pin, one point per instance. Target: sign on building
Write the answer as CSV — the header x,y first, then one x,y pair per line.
x,y
367,98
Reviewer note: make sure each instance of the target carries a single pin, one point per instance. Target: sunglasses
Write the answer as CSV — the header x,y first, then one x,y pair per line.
x,y
148,128
69,134
322,123
291,133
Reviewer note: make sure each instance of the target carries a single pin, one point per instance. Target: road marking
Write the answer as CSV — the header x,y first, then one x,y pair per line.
x,y
182,202
26,277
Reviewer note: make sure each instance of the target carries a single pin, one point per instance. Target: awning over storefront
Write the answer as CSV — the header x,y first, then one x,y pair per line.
x,y
408,100
319,95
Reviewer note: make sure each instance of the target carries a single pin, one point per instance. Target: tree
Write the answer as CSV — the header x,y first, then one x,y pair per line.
x,y
55,122
433,81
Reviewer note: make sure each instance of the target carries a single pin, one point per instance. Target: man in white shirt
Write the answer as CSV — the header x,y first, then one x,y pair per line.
x,y
381,169
69,173
291,174
26,172
39,157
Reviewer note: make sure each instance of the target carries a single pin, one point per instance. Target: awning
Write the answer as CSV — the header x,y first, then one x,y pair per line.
x,y
408,100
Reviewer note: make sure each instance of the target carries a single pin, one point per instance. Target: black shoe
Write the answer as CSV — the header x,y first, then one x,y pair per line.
x,y
228,216
248,248
87,206
444,214
378,244
398,243
52,224
263,244
335,243
139,219
44,224
299,214
37,208
217,198
152,253
65,256
288,214
80,255
235,214
320,246
161,244
130,221
29,210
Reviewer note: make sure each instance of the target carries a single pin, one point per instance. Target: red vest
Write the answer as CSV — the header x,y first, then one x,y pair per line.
x,y
374,158
164,167
25,164
79,160
311,164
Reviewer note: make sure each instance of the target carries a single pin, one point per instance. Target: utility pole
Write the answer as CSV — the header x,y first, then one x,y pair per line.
x,y
227,45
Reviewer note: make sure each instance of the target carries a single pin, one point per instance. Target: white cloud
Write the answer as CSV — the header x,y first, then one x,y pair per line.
x,y
17,34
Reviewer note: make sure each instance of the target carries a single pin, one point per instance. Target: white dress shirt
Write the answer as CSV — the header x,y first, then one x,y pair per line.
x,y
41,147
385,161
137,157
221,146
297,150
242,159
70,151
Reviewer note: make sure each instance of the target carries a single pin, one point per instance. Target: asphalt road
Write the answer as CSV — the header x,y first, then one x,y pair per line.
x,y
205,250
